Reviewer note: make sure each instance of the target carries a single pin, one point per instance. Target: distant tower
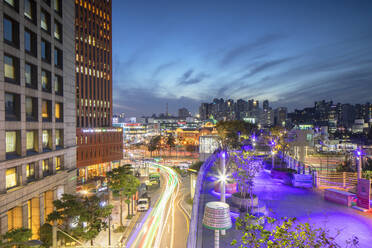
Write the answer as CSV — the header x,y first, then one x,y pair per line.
x,y
166,109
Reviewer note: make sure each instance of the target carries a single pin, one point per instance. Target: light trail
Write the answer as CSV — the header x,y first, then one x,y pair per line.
x,y
153,225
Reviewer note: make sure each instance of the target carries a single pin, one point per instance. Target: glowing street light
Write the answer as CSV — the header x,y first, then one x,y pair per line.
x,y
223,179
359,154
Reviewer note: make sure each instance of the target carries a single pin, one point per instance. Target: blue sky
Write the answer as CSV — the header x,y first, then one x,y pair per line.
x,y
290,52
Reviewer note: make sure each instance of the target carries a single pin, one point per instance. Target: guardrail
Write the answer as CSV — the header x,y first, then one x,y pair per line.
x,y
193,231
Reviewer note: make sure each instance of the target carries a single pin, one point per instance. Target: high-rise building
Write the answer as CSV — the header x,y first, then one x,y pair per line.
x,y
183,113
99,145
37,96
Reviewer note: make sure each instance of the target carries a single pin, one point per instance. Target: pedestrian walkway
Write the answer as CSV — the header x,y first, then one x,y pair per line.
x,y
306,205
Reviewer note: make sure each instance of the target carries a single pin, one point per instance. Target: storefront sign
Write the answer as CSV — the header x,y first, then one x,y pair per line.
x,y
363,194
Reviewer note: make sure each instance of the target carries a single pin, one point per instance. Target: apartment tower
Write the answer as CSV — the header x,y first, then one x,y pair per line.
x,y
37,110
99,145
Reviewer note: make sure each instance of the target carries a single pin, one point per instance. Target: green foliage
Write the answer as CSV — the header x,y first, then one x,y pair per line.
x,y
196,165
86,215
154,144
18,235
171,141
46,234
230,132
367,165
260,232
367,174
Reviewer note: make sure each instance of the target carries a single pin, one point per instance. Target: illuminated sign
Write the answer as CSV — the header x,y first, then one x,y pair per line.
x,y
101,130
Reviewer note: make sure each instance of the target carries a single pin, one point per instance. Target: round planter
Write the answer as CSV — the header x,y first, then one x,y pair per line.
x,y
230,188
244,203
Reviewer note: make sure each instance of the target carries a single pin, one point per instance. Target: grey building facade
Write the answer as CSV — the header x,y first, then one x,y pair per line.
x,y
37,109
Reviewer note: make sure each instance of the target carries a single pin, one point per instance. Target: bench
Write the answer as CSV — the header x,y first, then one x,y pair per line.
x,y
339,196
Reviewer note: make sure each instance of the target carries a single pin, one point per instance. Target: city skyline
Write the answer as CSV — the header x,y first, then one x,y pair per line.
x,y
185,54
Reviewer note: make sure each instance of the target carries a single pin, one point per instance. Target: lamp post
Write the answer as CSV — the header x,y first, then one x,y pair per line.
x,y
272,154
359,153
217,217
222,179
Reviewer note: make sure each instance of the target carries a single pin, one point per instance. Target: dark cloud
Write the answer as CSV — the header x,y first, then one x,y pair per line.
x,y
242,50
163,67
187,79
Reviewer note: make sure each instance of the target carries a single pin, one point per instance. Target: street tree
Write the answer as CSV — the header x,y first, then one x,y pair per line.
x,y
171,142
117,182
18,235
83,218
131,185
260,232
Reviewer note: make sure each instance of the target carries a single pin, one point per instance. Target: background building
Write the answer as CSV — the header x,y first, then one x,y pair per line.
x,y
37,96
99,145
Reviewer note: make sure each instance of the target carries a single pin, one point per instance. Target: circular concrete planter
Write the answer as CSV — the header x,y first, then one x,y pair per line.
x,y
230,188
244,203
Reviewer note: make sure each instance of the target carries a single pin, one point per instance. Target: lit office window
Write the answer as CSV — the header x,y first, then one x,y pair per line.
x,y
11,178
58,111
57,30
30,171
11,2
11,141
45,20
58,163
46,167
45,80
45,141
10,68
58,137
30,140
30,9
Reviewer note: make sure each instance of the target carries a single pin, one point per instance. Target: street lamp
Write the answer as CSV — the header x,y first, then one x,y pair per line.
x,y
222,179
359,154
272,144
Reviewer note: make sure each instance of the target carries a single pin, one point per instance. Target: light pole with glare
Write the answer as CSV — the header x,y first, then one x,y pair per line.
x,y
222,179
272,154
359,153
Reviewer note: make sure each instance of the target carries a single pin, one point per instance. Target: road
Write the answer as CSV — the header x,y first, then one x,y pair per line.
x,y
165,224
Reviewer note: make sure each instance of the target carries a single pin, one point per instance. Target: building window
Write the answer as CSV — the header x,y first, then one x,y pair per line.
x,y
57,30
12,107
46,168
30,172
58,58
30,42
59,138
30,10
58,6
45,20
45,51
31,76
31,138
46,110
11,141
46,140
59,163
58,111
11,178
31,109
12,3
58,85
11,69
45,81
11,32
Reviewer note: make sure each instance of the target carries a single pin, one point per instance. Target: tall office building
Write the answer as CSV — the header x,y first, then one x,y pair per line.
x,y
37,96
99,144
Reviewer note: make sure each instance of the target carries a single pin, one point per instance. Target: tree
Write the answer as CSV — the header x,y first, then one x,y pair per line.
x,y
117,182
171,142
19,235
231,133
154,144
46,235
131,185
259,232
83,218
246,167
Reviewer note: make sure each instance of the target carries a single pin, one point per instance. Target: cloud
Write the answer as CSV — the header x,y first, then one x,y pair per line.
x,y
163,67
240,51
187,79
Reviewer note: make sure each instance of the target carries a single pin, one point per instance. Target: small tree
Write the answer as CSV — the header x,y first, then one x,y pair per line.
x,y
260,232
46,235
246,167
82,217
231,132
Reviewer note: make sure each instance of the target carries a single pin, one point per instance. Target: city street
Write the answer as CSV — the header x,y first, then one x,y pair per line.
x,y
165,224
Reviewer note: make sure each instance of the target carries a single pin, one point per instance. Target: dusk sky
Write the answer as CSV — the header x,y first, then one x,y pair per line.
x,y
191,51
